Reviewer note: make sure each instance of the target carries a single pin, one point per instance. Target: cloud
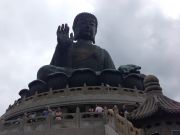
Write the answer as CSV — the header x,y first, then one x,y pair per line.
x,y
137,32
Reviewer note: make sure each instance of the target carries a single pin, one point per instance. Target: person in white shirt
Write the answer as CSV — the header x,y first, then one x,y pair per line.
x,y
99,109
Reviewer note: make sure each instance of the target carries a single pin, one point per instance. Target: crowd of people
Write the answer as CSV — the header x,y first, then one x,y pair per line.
x,y
56,113
122,110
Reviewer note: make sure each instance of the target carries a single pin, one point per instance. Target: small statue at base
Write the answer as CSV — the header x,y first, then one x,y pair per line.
x,y
127,69
78,51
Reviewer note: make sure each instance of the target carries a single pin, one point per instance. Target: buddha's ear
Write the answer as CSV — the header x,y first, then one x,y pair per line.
x,y
75,36
93,41
94,36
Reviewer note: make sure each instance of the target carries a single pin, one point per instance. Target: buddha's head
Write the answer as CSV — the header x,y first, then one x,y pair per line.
x,y
85,27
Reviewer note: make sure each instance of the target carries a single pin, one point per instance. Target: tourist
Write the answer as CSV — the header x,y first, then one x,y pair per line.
x,y
32,117
58,114
125,111
52,113
105,109
45,113
99,109
91,109
115,109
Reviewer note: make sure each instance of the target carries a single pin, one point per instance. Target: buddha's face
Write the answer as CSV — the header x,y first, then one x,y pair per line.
x,y
85,29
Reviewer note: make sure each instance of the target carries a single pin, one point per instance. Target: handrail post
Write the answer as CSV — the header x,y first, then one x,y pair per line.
x,y
66,92
85,89
103,88
49,119
35,96
77,116
115,117
24,121
50,92
105,115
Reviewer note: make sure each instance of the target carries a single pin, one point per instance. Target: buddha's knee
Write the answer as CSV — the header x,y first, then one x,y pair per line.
x,y
44,71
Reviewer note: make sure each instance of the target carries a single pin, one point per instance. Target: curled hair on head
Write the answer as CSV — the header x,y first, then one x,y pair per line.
x,y
84,15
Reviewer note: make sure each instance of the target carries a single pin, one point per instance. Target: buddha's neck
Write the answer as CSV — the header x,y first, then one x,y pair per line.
x,y
84,42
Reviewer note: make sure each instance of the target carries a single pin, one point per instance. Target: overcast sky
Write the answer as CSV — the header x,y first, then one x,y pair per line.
x,y
140,32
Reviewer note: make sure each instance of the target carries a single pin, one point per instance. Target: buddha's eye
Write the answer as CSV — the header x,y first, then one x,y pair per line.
x,y
92,24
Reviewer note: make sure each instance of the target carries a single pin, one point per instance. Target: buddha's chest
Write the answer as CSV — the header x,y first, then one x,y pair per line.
x,y
81,54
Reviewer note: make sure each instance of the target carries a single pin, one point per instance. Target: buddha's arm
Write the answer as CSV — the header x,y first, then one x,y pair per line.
x,y
61,56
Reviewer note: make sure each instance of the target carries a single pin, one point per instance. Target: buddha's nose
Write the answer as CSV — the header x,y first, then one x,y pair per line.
x,y
87,27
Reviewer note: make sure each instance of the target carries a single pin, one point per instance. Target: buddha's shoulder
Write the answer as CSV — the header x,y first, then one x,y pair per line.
x,y
94,48
98,48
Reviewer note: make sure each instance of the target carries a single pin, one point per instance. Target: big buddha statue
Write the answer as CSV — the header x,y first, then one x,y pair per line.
x,y
77,50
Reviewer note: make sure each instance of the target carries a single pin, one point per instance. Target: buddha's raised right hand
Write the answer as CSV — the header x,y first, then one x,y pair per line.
x,y
63,37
